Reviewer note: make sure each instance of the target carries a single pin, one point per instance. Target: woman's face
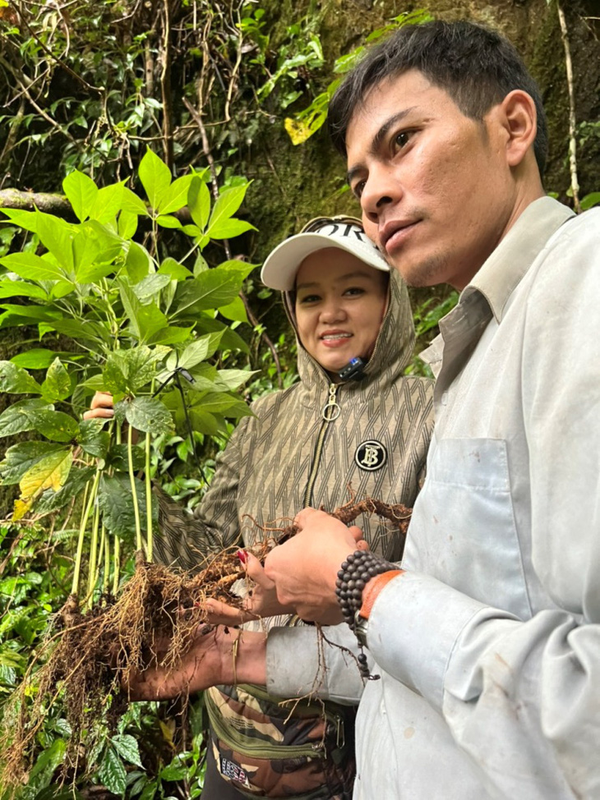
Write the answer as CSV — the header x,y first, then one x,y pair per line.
x,y
340,304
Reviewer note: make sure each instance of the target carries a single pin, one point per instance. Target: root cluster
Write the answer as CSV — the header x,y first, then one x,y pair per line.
x,y
90,656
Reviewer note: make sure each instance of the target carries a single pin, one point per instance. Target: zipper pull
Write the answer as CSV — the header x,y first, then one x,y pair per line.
x,y
331,409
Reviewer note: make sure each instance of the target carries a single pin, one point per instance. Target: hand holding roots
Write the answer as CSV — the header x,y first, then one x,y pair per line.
x,y
92,656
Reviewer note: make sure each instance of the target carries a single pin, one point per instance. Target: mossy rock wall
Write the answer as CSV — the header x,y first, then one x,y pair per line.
x,y
294,183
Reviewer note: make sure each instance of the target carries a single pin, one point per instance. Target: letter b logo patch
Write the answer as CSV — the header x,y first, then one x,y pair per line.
x,y
370,455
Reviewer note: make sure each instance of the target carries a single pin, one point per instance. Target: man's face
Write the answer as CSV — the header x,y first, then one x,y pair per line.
x,y
435,188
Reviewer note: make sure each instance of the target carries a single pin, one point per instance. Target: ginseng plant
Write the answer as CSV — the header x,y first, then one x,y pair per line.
x,y
145,328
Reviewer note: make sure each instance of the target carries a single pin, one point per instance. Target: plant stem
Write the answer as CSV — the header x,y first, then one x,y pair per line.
x,y
136,510
93,558
148,502
105,547
564,32
84,519
116,565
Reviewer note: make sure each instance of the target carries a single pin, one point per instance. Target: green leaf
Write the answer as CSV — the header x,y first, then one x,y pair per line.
x,y
15,419
590,200
117,458
229,229
170,335
227,204
87,330
57,385
235,311
10,288
49,473
37,358
155,177
144,320
116,502
127,747
16,380
108,203
93,439
197,351
134,204
81,192
138,262
148,415
57,236
46,764
24,219
232,379
112,772
177,195
199,204
127,371
210,289
168,221
73,487
32,267
127,224
177,770
230,341
54,425
151,285
20,458
174,269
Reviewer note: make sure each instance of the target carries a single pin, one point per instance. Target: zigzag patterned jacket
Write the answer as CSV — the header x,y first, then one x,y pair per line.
x,y
289,456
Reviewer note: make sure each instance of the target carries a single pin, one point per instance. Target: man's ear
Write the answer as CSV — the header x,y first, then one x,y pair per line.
x,y
519,117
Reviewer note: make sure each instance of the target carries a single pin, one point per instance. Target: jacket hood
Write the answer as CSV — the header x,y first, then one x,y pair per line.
x,y
393,348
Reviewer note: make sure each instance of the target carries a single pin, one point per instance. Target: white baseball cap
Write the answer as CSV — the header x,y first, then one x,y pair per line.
x,y
280,268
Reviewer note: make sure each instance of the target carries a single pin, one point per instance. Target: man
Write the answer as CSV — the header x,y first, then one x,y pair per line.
x,y
488,644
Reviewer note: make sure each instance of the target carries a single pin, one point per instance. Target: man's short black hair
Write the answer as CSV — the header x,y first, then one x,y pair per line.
x,y
476,66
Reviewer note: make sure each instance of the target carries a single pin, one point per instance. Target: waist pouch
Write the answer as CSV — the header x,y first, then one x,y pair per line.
x,y
300,750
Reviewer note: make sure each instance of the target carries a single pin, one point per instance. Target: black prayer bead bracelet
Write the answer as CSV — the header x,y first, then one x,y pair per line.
x,y
354,574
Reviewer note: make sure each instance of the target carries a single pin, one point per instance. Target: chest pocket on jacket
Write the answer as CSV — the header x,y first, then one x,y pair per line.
x,y
463,529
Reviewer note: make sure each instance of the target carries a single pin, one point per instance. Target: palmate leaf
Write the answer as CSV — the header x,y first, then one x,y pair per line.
x,y
13,288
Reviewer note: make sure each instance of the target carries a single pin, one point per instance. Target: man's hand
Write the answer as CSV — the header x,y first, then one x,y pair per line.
x,y
218,656
304,569
261,601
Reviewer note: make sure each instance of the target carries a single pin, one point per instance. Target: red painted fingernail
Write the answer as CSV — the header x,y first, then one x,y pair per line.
x,y
242,555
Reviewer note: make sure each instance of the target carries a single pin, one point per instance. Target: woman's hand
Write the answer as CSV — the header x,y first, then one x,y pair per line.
x,y
101,407
261,600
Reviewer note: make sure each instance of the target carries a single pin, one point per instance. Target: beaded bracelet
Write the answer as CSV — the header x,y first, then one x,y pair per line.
x,y
354,574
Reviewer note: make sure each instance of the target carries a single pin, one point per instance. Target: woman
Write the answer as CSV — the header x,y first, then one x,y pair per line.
x,y
353,425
